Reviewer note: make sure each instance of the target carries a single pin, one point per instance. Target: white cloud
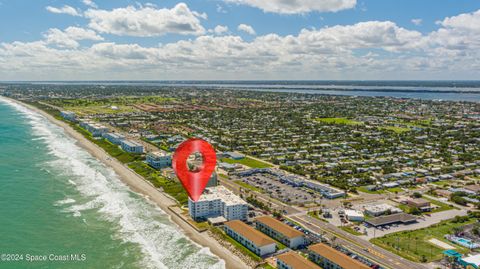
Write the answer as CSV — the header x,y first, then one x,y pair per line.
x,y
90,3
69,37
146,21
220,9
297,6
63,10
365,50
417,21
458,35
247,29
466,21
219,29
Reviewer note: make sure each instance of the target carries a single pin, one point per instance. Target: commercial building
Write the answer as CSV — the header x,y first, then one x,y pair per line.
x,y
280,231
326,190
132,146
114,138
218,201
297,181
68,115
422,204
380,209
159,159
401,218
292,260
353,215
252,239
330,258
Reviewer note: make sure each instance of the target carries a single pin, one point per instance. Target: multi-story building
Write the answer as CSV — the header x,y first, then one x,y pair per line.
x,y
280,231
68,115
292,260
94,128
213,181
132,146
330,258
252,239
159,159
218,201
114,138
98,130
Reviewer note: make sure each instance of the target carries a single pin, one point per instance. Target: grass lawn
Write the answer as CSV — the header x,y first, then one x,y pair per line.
x,y
365,190
441,206
349,229
343,121
223,176
237,245
443,183
414,245
248,186
315,215
172,187
396,189
247,161
396,129
100,109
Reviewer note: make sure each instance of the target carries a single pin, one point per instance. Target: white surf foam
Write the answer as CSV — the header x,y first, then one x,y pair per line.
x,y
135,220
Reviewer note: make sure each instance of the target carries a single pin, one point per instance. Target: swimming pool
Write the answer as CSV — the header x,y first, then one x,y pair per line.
x,y
464,242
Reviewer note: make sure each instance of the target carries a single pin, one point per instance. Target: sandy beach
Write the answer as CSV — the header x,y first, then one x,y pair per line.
x,y
140,185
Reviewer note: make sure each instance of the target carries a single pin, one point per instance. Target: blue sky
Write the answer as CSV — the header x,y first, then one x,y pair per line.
x,y
203,39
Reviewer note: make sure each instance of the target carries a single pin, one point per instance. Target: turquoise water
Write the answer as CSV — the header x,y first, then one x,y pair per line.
x,y
56,199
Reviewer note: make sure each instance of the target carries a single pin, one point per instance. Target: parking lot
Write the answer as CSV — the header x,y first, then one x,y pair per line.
x,y
283,192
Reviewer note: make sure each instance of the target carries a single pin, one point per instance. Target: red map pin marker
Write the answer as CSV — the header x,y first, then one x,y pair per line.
x,y
194,182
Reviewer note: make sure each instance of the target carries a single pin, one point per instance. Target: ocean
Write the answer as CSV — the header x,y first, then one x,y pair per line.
x,y
59,202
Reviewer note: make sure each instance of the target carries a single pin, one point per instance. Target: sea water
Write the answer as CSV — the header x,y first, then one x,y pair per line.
x,y
57,202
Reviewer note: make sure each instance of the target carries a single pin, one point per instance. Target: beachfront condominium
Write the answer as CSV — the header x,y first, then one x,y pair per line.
x,y
250,238
218,201
293,260
132,146
114,138
94,128
330,258
280,231
159,159
68,115
213,181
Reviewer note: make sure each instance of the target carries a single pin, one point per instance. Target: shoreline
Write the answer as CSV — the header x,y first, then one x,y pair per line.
x,y
139,185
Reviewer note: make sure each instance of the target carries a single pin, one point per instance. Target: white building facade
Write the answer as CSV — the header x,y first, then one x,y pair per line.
x,y
218,201
159,160
114,138
132,146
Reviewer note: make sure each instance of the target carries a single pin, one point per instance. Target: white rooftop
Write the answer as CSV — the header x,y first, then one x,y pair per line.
x,y
473,259
353,213
221,193
380,207
158,154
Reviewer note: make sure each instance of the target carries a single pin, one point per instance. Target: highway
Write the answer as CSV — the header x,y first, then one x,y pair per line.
x,y
355,244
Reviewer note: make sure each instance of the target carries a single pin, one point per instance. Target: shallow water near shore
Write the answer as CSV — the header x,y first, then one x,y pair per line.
x,y
55,198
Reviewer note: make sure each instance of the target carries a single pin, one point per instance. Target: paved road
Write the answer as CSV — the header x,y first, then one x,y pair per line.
x,y
357,245
422,223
